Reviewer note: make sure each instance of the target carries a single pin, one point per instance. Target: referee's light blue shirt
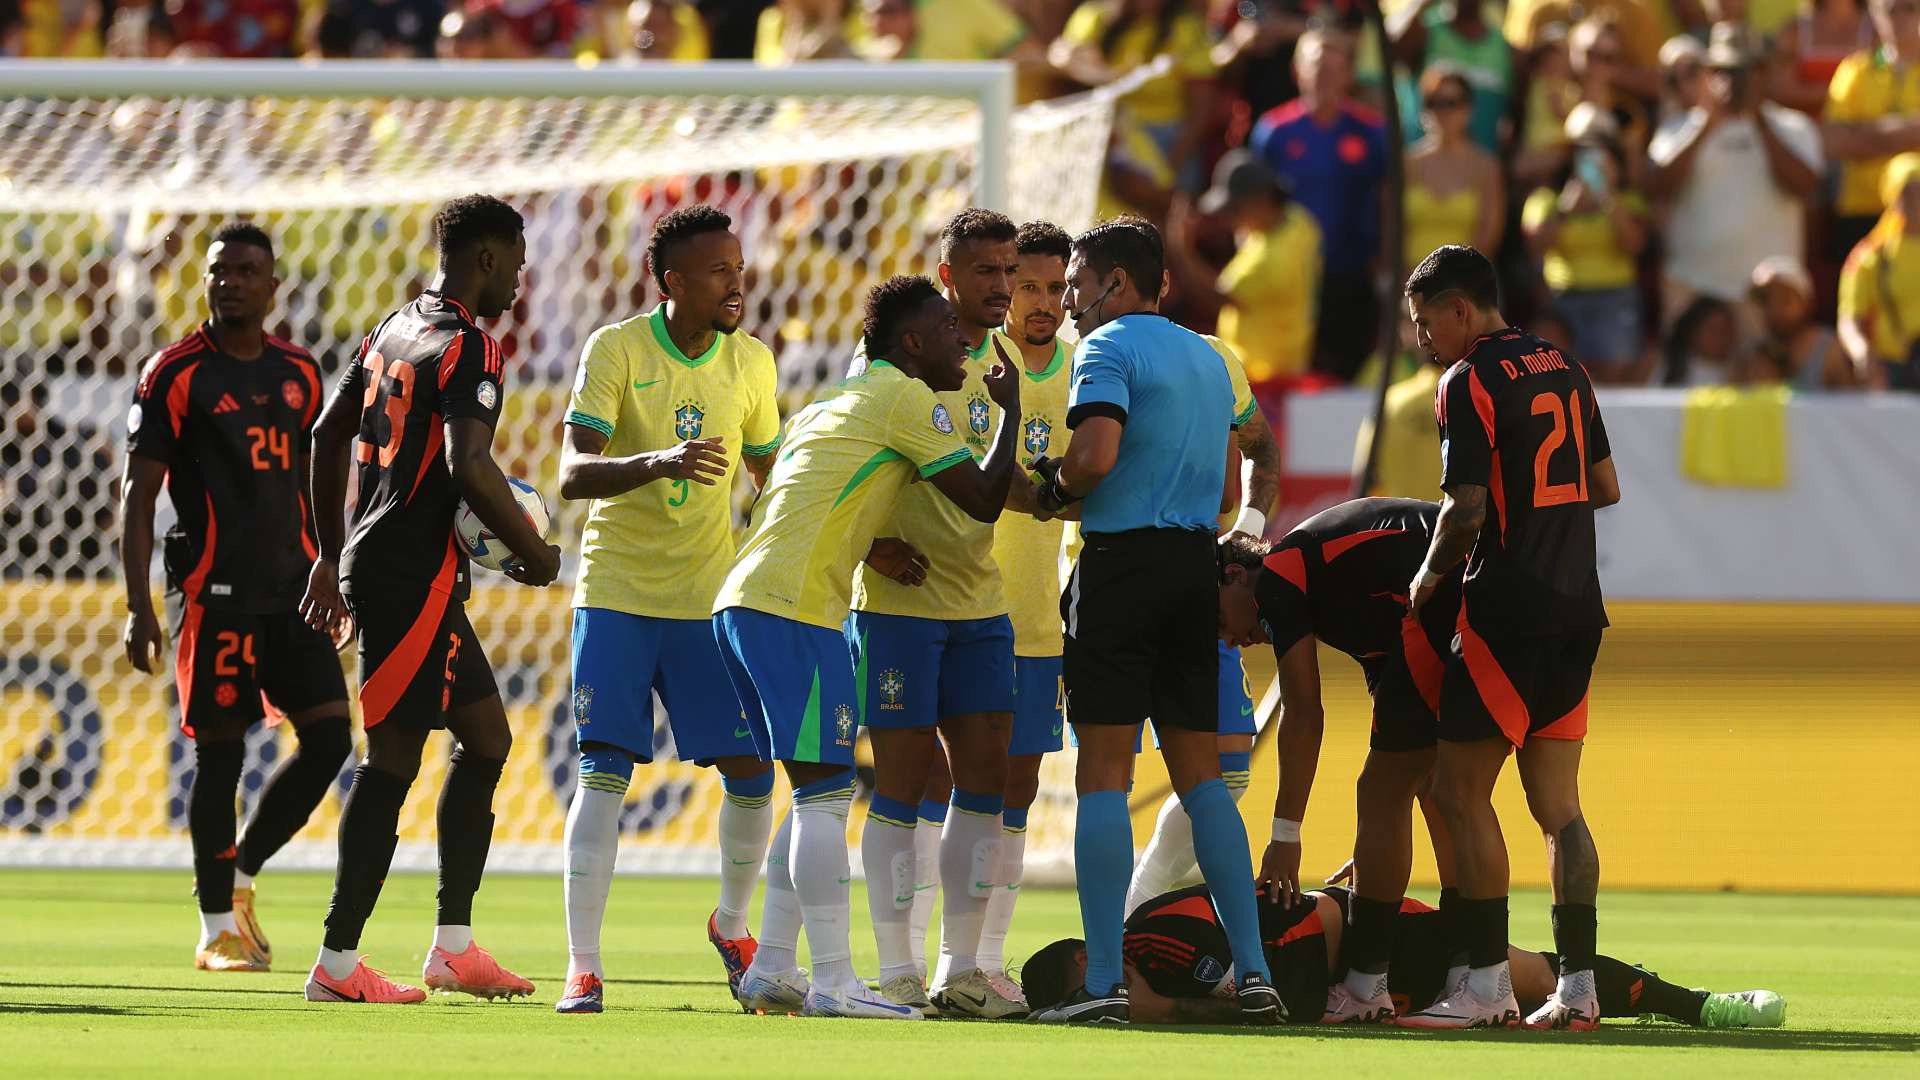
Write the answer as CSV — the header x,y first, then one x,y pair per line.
x,y
1171,390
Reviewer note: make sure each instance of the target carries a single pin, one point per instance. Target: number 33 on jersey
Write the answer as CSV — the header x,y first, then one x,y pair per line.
x,y
663,549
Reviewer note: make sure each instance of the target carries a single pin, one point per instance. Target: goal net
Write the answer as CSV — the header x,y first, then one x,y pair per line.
x,y
112,178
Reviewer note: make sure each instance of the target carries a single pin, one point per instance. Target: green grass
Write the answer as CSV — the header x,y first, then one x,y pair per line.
x,y
96,978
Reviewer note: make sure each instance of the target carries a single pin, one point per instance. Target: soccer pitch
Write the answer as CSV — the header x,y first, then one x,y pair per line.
x,y
96,978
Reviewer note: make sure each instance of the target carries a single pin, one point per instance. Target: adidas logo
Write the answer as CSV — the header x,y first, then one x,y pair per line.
x,y
226,405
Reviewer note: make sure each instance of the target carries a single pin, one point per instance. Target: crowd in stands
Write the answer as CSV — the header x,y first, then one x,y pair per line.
x,y
1684,192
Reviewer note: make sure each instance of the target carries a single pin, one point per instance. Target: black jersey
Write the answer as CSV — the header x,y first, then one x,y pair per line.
x,y
1178,945
234,435
1342,577
425,365
1519,418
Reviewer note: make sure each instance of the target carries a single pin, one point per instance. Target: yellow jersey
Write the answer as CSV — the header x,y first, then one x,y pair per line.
x,y
662,549
1161,100
963,581
1881,284
845,460
1273,282
1026,548
1867,87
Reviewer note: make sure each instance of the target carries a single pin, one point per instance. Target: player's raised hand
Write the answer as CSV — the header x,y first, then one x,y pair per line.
x,y
322,606
704,461
1003,382
143,640
899,560
539,573
1280,873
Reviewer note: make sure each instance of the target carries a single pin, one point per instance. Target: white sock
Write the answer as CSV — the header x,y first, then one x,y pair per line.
x,y
242,881
593,844
337,964
886,851
744,824
1491,983
780,908
452,939
1168,858
1366,985
1006,893
818,863
215,923
926,888
969,861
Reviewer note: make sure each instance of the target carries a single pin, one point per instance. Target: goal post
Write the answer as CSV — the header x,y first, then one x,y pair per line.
x,y
114,175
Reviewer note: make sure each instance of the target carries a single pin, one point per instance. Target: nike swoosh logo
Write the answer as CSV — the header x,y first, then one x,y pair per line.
x,y
845,880
741,733
1246,710
978,1002
741,862
643,385
983,885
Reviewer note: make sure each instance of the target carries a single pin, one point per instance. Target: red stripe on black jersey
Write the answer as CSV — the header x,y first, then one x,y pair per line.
x,y
233,434
427,366
1518,418
1342,576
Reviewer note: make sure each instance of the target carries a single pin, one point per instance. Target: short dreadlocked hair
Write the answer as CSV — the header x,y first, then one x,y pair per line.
x,y
680,225
889,304
473,219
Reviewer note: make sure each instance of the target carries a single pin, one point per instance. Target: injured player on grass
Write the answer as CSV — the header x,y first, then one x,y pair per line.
x,y
1178,967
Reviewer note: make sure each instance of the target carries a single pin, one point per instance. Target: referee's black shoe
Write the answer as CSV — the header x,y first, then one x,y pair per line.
x,y
1084,1008
1260,1003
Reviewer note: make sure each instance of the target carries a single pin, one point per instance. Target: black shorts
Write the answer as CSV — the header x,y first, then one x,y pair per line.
x,y
1521,687
419,657
1402,719
1142,612
233,667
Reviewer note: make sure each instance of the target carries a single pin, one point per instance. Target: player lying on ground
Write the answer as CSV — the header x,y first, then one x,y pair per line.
x,y
1339,577
224,419
423,395
1179,967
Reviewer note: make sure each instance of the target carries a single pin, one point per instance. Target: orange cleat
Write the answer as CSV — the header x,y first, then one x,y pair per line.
x,y
735,953
366,986
473,972
249,925
228,952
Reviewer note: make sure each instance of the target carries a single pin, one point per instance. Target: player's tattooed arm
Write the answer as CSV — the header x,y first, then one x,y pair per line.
x,y
759,467
587,473
1145,1006
143,638
1462,514
1258,445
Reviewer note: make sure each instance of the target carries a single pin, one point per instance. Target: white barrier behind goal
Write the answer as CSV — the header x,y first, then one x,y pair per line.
x,y
112,178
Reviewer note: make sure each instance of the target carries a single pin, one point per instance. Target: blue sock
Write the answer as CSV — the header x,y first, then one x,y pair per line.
x,y
1220,846
1014,819
751,791
891,811
933,810
826,790
604,767
1103,863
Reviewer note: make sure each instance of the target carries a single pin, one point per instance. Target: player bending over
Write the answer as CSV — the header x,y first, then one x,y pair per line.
x,y
1179,967
224,418
845,462
1337,578
424,394
661,401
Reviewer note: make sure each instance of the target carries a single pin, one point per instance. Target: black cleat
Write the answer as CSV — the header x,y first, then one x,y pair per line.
x,y
1084,1008
1260,1003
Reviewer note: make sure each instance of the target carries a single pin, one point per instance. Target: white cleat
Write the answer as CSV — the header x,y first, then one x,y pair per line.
x,y
1344,1007
855,1002
779,993
1462,1008
972,993
1574,1006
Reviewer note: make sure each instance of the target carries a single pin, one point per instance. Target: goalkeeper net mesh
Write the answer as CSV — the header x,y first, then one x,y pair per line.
x,y
106,207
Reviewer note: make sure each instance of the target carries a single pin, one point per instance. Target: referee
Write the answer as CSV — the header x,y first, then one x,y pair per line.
x,y
1152,414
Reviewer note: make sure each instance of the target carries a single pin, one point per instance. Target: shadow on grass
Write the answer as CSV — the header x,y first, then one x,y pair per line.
x,y
22,1008
1648,1035
124,988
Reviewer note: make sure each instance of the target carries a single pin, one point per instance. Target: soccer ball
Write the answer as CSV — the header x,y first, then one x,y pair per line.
x,y
486,549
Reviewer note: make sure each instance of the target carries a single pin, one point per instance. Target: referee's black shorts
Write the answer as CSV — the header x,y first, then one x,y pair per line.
x,y
1142,612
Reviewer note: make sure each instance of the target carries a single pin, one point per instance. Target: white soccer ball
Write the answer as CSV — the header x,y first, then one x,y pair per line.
x,y
486,549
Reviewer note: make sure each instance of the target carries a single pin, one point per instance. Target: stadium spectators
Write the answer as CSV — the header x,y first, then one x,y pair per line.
x,y
1332,151
1795,350
1106,39
1873,112
1703,347
1587,228
1734,171
1880,286
1462,35
1809,49
1454,193
795,30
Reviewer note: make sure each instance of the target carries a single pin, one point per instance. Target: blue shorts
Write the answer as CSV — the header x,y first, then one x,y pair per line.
x,y
620,660
1039,705
914,672
794,684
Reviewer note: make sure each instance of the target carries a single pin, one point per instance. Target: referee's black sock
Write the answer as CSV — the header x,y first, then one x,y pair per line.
x,y
295,790
466,832
212,821
368,834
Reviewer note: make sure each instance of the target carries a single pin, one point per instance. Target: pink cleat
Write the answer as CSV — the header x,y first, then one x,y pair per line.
x,y
366,986
473,972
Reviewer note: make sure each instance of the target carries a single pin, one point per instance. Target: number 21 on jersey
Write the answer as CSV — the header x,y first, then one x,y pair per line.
x,y
1564,414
